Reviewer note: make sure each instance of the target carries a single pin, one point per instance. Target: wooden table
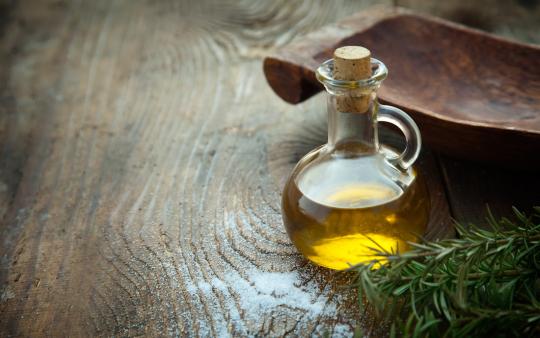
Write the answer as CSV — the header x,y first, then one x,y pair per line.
x,y
142,157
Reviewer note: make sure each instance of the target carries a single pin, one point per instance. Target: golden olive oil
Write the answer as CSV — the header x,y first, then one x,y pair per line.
x,y
336,216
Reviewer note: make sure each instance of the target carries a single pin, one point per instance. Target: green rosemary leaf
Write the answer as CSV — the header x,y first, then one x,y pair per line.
x,y
534,319
492,222
461,287
400,290
444,306
393,331
526,221
409,324
444,253
486,282
380,250
429,322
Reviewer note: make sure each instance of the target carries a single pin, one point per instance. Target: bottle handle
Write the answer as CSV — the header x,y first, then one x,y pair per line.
x,y
408,127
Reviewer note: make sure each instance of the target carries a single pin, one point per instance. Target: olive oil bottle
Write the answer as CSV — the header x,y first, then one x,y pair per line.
x,y
351,197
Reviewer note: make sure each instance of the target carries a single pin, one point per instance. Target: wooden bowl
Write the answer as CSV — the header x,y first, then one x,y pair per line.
x,y
473,95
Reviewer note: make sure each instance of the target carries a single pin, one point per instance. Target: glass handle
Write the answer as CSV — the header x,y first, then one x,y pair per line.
x,y
408,127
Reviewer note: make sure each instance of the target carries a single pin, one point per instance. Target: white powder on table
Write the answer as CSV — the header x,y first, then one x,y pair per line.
x,y
263,294
245,297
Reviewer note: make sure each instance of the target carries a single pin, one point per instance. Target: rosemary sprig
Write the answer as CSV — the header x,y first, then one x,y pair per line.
x,y
486,282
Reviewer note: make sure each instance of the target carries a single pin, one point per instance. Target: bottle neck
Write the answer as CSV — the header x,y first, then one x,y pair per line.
x,y
353,133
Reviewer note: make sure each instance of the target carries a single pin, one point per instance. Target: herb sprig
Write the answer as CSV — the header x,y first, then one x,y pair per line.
x,y
485,282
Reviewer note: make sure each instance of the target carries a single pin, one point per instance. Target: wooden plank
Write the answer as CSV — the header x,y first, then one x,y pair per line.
x,y
148,199
143,156
473,187
516,19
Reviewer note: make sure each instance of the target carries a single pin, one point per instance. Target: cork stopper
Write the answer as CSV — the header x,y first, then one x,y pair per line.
x,y
352,63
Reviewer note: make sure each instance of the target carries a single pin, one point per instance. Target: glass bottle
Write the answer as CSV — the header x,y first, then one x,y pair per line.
x,y
353,195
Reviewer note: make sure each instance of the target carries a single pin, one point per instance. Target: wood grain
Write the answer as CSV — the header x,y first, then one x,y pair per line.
x,y
472,188
515,19
141,174
141,161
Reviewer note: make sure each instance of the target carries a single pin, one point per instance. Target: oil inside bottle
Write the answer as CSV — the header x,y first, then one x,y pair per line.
x,y
338,210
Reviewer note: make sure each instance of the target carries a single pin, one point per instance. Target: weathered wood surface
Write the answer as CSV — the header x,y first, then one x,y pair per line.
x,y
473,187
144,158
141,160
